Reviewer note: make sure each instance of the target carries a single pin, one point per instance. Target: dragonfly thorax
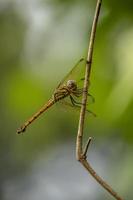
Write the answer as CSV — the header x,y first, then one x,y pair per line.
x,y
71,84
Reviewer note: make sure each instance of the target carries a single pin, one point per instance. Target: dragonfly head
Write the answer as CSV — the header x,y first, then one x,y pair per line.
x,y
71,84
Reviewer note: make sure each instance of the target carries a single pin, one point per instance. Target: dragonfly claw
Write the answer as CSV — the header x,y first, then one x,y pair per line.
x,y
92,113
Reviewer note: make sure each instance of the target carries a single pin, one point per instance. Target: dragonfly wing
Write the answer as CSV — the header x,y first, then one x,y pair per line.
x,y
67,104
90,99
77,73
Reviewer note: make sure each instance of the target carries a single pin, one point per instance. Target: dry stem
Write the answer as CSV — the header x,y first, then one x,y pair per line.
x,y
80,153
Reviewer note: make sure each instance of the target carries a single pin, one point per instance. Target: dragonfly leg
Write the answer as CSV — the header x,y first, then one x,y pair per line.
x,y
92,113
78,105
78,92
93,99
74,102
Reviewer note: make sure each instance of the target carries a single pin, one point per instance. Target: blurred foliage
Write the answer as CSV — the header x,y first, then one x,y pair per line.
x,y
38,40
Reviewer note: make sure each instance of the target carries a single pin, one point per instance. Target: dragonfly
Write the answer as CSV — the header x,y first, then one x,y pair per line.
x,y
68,87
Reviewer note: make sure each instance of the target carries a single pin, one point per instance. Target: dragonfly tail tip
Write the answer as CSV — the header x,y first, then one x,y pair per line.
x,y
21,130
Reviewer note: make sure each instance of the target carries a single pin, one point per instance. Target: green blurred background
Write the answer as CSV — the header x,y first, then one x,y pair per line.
x,y
40,41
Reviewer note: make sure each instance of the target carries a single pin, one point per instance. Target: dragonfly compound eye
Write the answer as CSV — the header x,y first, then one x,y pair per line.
x,y
71,84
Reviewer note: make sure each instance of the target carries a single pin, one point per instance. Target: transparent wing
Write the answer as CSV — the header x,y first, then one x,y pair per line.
x,y
74,103
90,99
77,73
67,105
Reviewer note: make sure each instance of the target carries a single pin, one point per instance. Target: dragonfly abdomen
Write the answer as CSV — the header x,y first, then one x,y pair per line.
x,y
36,115
58,95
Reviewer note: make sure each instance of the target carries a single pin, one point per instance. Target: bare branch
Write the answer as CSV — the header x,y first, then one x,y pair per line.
x,y
80,153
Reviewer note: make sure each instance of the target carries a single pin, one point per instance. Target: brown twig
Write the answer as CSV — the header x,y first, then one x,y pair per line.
x,y
80,153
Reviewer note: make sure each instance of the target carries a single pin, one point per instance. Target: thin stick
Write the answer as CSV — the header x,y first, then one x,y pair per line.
x,y
80,153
